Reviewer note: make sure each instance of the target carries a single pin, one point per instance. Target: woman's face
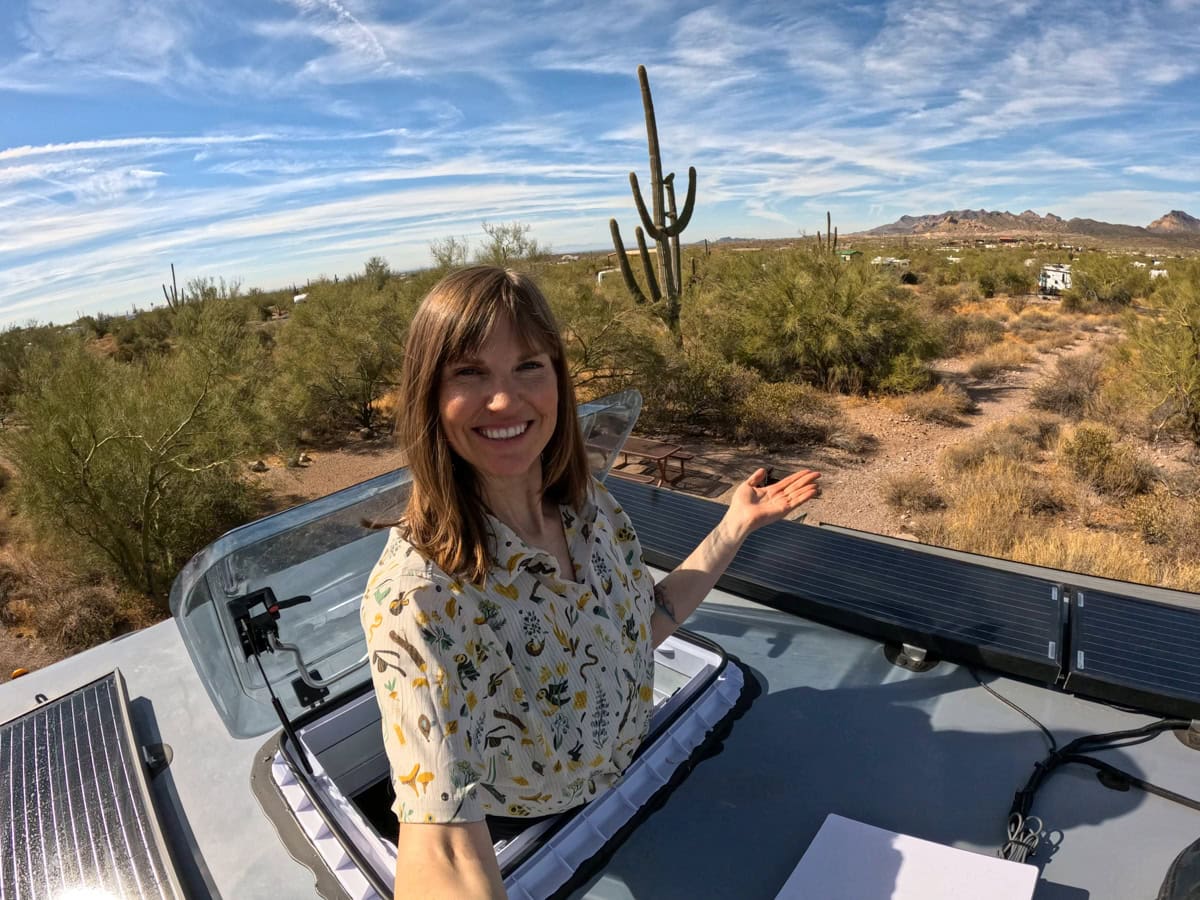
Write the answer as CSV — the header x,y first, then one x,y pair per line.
x,y
499,408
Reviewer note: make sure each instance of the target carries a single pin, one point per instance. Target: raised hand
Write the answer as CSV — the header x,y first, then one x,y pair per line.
x,y
755,504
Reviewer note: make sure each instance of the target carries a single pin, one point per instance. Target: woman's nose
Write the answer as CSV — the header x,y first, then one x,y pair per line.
x,y
502,395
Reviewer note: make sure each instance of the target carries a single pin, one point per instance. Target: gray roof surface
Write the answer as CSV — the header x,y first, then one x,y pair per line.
x,y
837,729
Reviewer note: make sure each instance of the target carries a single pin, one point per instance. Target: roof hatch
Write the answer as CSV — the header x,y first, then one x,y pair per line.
x,y
270,609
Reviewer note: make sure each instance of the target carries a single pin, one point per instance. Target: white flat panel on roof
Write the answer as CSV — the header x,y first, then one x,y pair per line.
x,y
850,860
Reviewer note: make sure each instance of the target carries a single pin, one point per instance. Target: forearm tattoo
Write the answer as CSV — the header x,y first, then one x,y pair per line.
x,y
662,602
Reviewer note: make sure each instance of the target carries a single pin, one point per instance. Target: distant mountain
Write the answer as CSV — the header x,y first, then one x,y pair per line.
x,y
981,222
1175,222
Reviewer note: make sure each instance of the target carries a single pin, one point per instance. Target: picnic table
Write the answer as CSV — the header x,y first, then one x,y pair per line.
x,y
657,452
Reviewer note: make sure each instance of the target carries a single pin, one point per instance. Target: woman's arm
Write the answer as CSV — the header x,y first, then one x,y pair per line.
x,y
753,506
447,862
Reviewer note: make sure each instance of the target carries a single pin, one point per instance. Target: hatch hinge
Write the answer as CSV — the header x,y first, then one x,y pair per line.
x,y
258,633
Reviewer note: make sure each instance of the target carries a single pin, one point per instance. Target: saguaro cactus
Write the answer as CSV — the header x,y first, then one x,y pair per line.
x,y
830,242
664,224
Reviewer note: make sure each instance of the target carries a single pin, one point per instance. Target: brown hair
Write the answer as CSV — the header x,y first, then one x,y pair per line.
x,y
445,518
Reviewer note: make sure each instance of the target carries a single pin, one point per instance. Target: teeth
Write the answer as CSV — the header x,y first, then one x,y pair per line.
x,y
497,434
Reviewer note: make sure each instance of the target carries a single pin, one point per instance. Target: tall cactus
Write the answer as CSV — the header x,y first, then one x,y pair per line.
x,y
831,235
663,225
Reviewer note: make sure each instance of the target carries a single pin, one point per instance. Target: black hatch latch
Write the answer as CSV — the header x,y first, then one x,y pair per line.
x,y
255,629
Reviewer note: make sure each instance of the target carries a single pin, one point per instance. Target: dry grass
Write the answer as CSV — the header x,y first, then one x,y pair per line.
x,y
41,597
991,507
1002,357
1104,554
1055,340
912,492
944,405
1019,439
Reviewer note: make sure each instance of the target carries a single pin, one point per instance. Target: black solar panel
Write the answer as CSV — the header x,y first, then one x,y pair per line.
x,y
76,817
958,610
1135,652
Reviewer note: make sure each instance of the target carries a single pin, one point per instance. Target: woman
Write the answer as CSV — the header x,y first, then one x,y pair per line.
x,y
511,619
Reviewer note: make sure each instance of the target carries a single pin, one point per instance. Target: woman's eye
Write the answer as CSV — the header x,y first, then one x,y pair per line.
x,y
532,364
466,370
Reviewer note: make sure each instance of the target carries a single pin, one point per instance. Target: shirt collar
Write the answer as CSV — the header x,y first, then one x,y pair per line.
x,y
513,555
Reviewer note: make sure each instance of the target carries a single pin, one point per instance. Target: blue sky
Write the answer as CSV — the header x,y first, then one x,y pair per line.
x,y
277,140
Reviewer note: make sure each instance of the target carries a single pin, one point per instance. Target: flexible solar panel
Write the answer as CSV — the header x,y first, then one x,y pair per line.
x,y
958,610
1135,652
76,816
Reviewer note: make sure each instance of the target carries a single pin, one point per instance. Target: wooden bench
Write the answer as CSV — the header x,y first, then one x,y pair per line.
x,y
634,476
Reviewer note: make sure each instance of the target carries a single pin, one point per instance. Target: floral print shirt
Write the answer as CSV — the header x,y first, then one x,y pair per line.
x,y
525,696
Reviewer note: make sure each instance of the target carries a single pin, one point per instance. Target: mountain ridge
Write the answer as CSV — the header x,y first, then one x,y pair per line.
x,y
958,222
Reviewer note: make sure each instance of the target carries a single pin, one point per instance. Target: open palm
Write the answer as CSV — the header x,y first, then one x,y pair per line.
x,y
755,505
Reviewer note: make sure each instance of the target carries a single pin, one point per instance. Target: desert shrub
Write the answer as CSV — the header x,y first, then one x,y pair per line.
x,y
912,492
1102,554
1092,453
1165,520
782,414
1038,431
1100,280
997,359
807,316
1167,361
696,392
970,333
137,465
905,374
1070,390
146,334
1017,440
70,607
988,284
1016,280
944,298
944,405
1016,302
339,352
607,337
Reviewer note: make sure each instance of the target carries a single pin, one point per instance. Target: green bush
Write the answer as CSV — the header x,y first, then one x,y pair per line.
x,y
138,463
1092,453
807,316
340,352
783,415
1098,279
696,392
970,333
1167,360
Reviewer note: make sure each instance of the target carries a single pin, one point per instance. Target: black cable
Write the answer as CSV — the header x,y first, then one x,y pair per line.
x,y
987,687
1024,829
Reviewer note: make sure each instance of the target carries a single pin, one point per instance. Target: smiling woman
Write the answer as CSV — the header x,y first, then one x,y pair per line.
x,y
511,620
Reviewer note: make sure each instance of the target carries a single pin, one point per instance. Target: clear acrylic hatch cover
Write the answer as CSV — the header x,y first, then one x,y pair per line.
x,y
321,551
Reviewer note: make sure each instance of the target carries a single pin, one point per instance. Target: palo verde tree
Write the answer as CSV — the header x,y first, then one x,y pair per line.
x,y
137,464
664,226
1167,350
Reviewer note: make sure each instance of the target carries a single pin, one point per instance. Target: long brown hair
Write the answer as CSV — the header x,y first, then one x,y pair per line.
x,y
445,519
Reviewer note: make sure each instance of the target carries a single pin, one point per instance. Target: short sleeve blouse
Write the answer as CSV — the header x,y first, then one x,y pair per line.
x,y
526,695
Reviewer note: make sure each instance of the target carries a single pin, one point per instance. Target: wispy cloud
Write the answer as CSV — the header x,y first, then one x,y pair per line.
x,y
307,134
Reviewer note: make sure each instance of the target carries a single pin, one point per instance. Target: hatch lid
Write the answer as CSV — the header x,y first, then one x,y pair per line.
x,y
266,595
